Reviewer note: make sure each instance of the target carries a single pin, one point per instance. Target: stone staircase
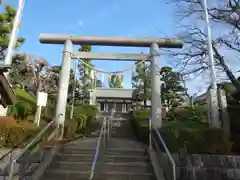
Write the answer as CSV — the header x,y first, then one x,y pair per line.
x,y
122,159
73,161
119,163
125,157
122,128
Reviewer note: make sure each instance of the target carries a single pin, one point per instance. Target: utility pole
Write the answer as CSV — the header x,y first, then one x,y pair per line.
x,y
213,99
13,37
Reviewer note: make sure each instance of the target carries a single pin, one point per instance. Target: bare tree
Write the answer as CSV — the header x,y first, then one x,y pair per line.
x,y
225,17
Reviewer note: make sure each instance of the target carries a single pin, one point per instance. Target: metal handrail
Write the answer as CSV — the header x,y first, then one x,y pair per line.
x,y
96,155
14,148
109,123
164,146
29,145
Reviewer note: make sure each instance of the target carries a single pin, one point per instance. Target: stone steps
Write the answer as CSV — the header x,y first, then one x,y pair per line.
x,y
73,161
76,175
108,157
126,163
132,167
126,151
76,150
123,159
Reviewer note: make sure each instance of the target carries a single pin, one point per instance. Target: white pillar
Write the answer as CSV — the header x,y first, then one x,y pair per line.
x,y
114,105
155,88
64,82
222,99
213,110
107,107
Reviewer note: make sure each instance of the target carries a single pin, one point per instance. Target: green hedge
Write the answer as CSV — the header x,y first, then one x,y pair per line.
x,y
188,136
83,117
213,141
198,114
233,113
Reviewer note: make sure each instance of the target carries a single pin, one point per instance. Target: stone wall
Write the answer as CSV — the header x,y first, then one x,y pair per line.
x,y
206,167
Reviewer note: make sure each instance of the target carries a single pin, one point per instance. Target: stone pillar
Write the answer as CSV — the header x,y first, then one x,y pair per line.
x,y
156,113
99,107
106,106
213,113
222,100
94,98
91,97
114,105
64,83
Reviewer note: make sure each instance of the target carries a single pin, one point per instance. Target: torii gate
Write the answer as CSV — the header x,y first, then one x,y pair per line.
x,y
153,43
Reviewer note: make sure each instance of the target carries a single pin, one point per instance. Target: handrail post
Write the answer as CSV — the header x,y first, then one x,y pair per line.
x,y
108,128
150,133
11,171
104,132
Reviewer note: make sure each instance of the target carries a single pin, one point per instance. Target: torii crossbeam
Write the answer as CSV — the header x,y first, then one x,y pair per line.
x,y
153,43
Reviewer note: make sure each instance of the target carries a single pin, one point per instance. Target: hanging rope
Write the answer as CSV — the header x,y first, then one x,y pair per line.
x,y
110,73
113,72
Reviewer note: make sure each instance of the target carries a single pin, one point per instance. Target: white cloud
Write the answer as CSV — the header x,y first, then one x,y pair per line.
x,y
80,23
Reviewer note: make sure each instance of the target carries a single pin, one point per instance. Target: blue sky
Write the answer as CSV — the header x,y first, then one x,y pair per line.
x,y
151,18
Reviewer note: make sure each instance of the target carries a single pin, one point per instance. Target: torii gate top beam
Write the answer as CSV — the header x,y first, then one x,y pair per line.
x,y
110,40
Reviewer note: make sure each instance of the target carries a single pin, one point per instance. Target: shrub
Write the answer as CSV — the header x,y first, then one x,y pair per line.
x,y
197,140
13,133
27,98
140,124
69,129
197,114
179,135
233,114
19,111
83,117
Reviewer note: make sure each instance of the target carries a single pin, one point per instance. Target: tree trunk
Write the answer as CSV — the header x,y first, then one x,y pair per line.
x,y
227,70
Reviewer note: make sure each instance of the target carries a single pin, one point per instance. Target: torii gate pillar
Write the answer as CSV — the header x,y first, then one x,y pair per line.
x,y
64,82
69,40
156,106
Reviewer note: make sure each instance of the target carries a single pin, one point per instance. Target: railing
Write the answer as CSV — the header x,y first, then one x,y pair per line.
x,y
21,164
110,122
7,157
165,165
101,137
